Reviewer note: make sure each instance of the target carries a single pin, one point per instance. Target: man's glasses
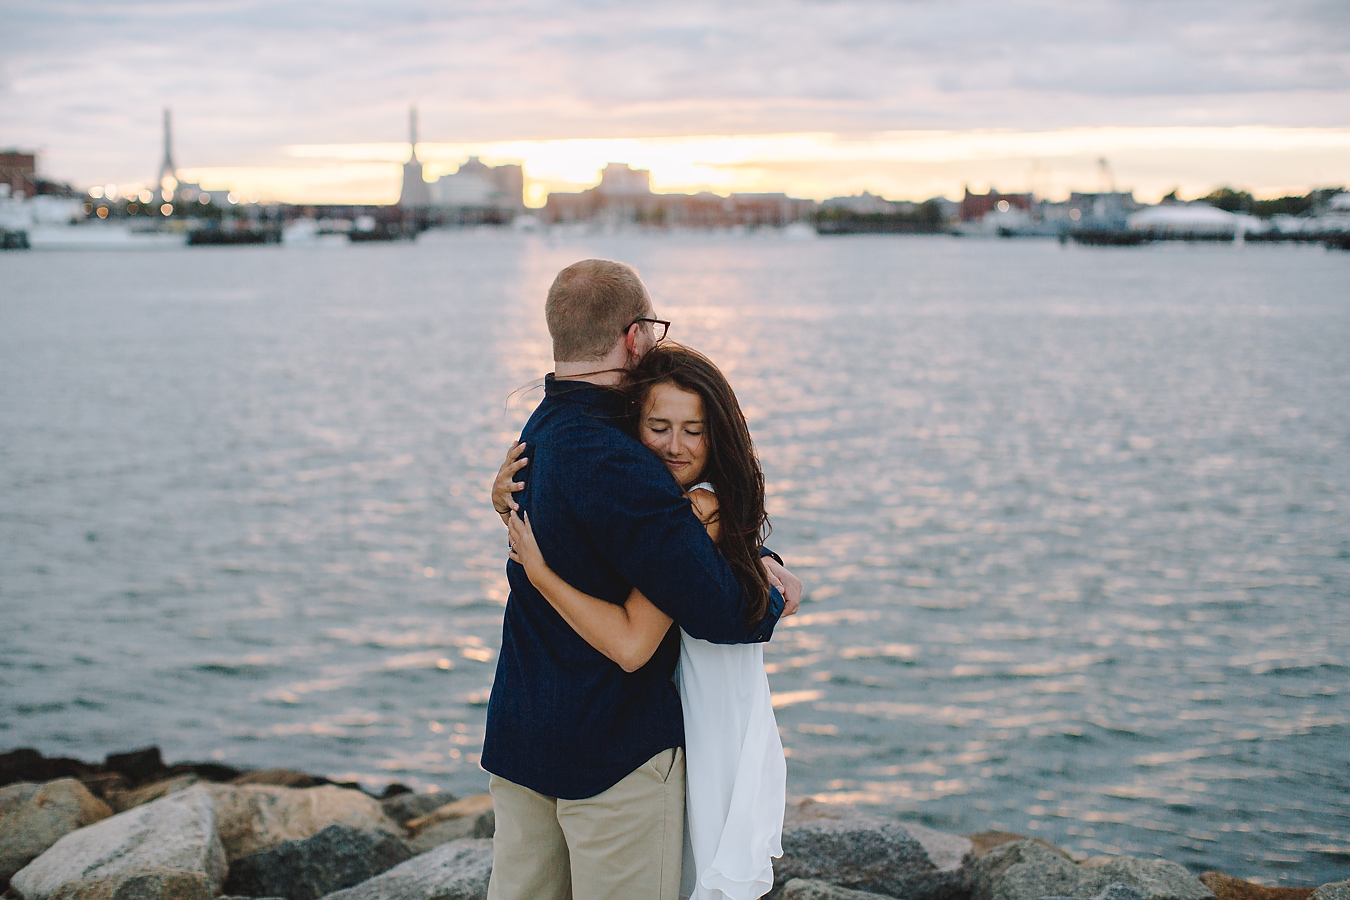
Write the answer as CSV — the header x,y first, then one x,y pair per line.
x,y
659,326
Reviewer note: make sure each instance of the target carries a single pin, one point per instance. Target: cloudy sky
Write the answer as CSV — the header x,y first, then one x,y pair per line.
x,y
307,99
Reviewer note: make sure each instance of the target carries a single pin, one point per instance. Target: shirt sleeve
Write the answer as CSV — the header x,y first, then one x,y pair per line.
x,y
646,529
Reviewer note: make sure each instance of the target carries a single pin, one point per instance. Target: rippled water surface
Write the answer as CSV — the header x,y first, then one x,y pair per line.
x,y
1074,524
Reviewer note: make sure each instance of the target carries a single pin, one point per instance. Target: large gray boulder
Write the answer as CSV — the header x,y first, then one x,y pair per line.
x,y
177,832
147,884
1115,891
35,816
854,849
121,801
1151,879
804,889
471,817
1023,869
1336,890
404,807
458,870
335,858
253,817
1031,869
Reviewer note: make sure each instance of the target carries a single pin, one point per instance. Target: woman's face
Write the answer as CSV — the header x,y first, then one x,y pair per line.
x,y
672,427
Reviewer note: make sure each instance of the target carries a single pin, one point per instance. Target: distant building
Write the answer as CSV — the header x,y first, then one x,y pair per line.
x,y
624,196
975,207
772,209
19,171
862,204
622,180
1102,209
478,186
415,192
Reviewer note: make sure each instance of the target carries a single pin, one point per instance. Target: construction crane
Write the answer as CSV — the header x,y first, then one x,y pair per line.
x,y
1108,180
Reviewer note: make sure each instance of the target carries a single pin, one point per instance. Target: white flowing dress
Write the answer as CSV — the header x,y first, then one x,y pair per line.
x,y
736,779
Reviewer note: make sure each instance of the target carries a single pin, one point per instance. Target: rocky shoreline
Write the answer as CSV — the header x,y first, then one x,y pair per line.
x,y
134,828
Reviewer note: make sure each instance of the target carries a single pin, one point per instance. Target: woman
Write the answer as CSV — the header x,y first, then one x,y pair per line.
x,y
684,410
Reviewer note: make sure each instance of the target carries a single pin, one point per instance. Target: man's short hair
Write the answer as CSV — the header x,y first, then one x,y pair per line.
x,y
590,304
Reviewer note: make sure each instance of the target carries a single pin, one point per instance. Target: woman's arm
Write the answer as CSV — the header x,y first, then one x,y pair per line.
x,y
705,507
627,634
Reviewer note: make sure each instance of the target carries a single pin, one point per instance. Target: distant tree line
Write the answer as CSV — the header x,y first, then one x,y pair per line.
x,y
923,218
1226,198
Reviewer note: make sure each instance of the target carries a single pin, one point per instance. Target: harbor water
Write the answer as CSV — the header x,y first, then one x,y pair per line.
x,y
1074,523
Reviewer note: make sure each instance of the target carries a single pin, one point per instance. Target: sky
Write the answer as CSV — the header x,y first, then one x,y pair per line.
x,y
307,100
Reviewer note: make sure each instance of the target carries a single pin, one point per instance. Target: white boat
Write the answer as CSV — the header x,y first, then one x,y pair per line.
x,y
58,223
101,237
310,233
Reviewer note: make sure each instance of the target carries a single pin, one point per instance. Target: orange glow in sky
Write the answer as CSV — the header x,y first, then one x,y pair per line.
x,y
898,165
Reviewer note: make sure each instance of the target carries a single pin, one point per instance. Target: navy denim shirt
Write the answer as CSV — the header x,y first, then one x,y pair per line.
x,y
563,720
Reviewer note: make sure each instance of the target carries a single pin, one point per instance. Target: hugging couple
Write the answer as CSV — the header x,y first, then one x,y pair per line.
x,y
639,505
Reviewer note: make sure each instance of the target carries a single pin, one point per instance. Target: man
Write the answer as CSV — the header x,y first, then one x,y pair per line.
x,y
586,760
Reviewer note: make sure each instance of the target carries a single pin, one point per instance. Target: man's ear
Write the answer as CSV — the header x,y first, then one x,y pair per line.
x,y
630,339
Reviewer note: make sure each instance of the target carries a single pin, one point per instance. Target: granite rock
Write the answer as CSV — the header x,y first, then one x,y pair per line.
x,y
176,832
138,765
458,870
470,817
985,841
148,884
1152,879
27,764
35,816
1031,869
279,777
443,832
469,807
858,850
1336,890
1023,869
253,817
404,807
804,889
1226,887
335,858
1117,890
121,801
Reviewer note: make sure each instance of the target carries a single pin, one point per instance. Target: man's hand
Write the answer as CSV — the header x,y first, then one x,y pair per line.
x,y
504,487
789,585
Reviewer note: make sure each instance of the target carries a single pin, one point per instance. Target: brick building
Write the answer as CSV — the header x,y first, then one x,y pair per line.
x,y
975,207
19,171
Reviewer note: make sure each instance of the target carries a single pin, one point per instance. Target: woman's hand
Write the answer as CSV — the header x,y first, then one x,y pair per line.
x,y
525,551
504,487
789,585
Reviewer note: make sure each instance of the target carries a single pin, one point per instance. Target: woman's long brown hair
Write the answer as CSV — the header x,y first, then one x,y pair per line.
x,y
733,467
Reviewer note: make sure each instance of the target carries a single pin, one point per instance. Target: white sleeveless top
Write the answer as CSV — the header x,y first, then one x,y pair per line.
x,y
736,780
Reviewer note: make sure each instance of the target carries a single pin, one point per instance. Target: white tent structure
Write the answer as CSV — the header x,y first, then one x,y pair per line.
x,y
1193,218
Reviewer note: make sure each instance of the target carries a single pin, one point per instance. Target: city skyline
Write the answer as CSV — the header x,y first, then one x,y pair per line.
x,y
306,102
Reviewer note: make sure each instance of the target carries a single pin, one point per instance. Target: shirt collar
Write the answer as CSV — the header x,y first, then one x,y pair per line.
x,y
601,397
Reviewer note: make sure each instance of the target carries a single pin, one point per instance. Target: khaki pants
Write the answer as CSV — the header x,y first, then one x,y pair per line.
x,y
625,843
